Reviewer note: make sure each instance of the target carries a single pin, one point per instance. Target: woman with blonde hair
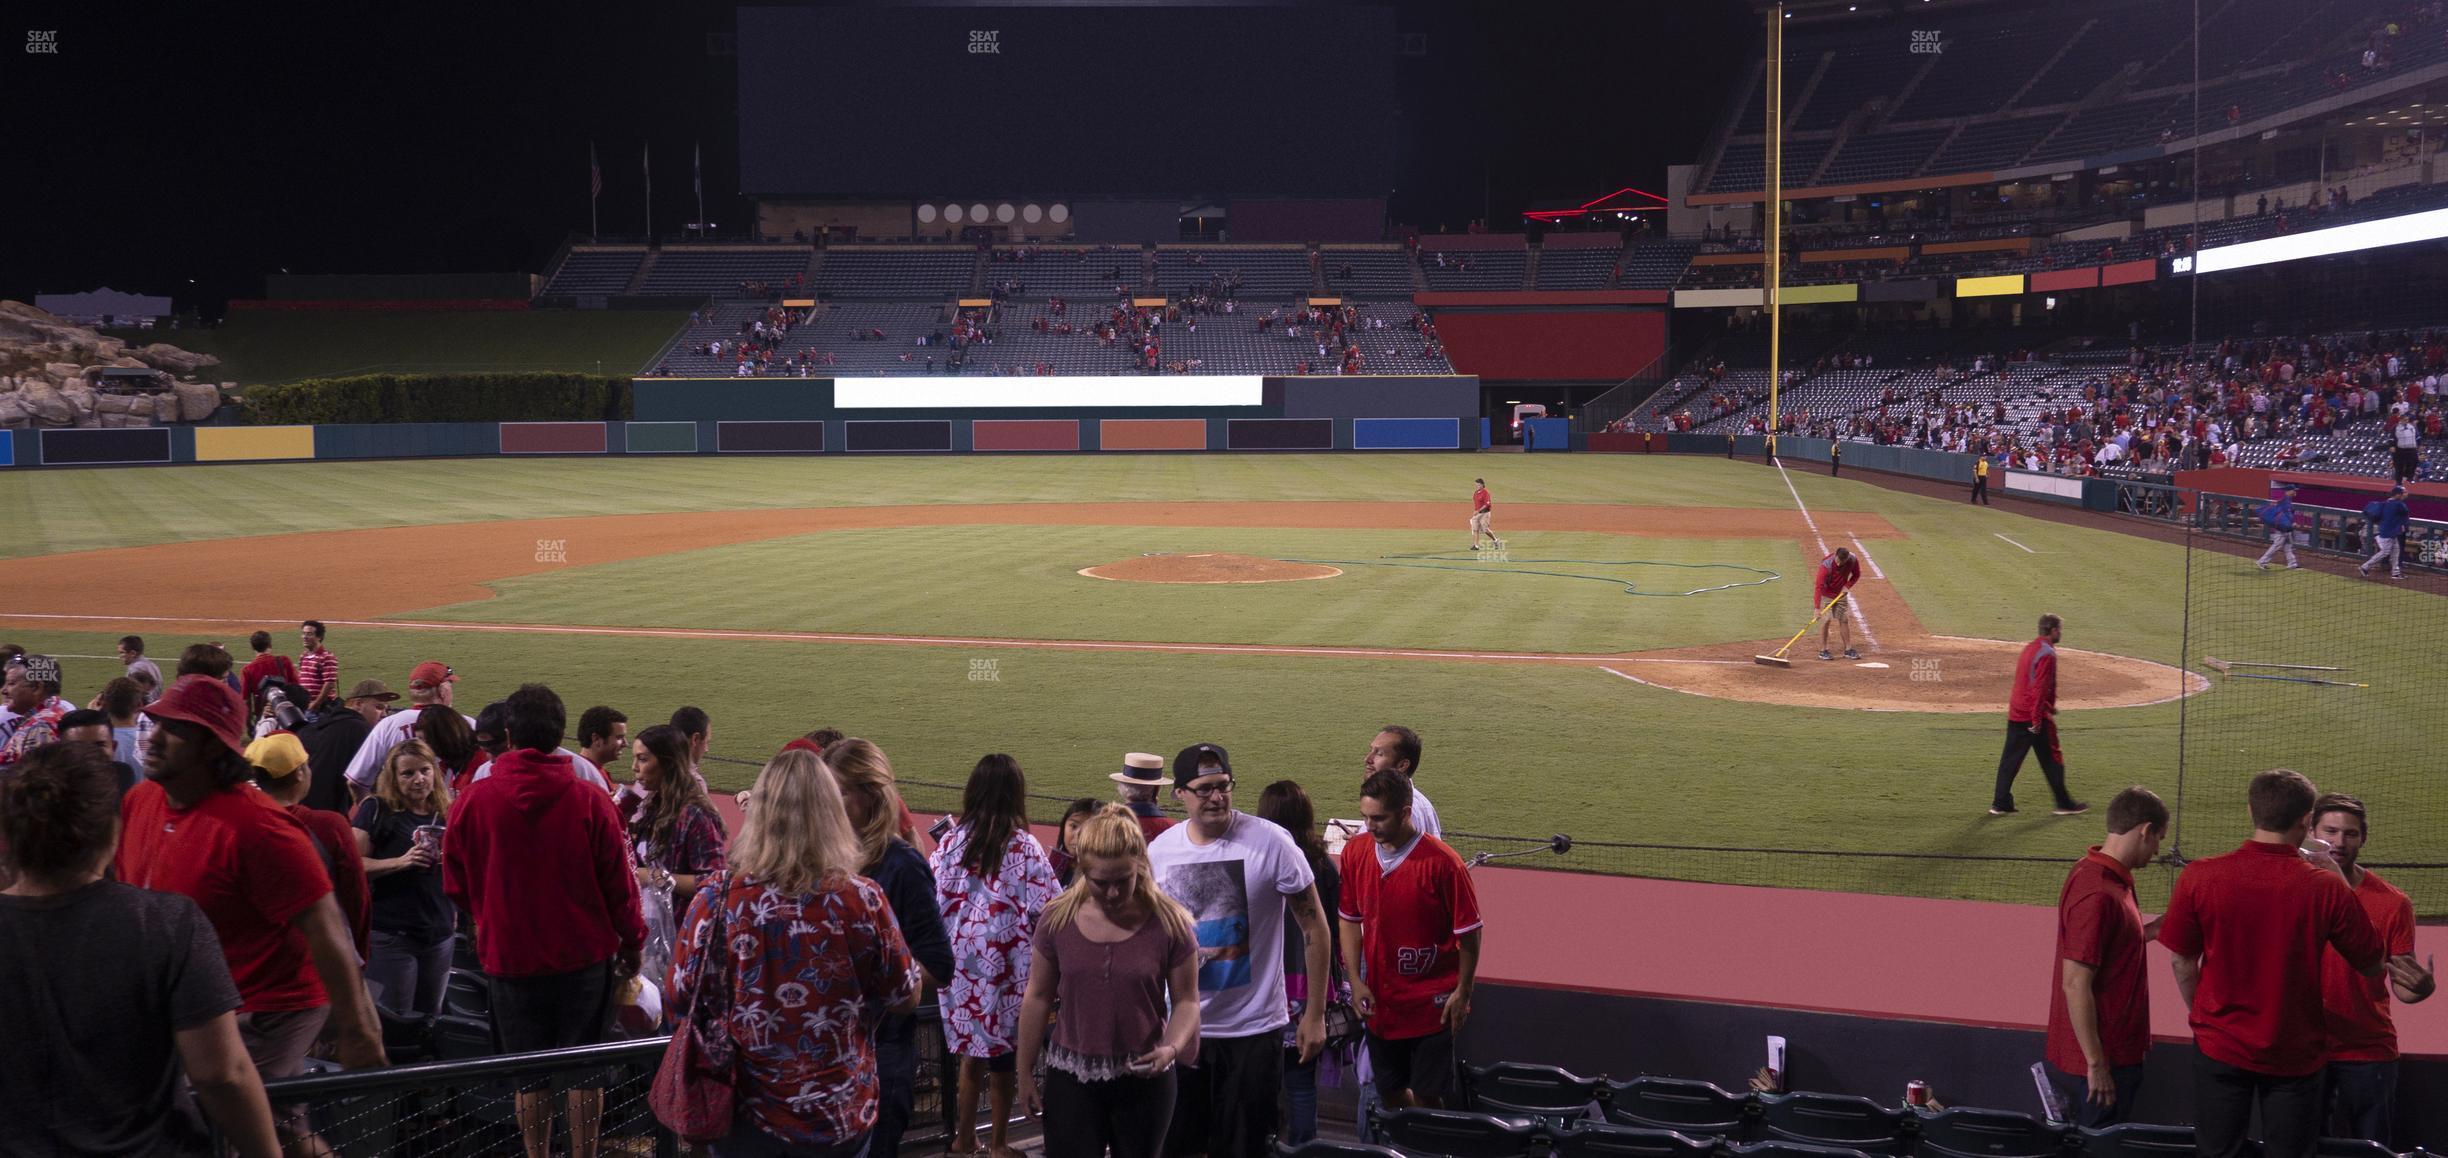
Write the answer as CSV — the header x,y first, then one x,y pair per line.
x,y
814,960
1117,954
874,806
991,880
410,957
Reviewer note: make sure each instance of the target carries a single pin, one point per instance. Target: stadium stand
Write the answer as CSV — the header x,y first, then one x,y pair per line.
x,y
1478,269
595,271
1881,156
1251,271
1376,271
726,271
1579,269
1041,271
896,273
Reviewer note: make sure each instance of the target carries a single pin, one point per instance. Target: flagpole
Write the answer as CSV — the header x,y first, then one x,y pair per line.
x,y
594,194
700,174
649,166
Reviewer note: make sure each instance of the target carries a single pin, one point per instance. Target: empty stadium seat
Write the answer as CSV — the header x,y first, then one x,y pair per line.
x,y
1692,1107
1969,1133
1549,1093
2353,1148
2139,1140
1603,1140
467,996
1832,1120
1782,1149
1424,1133
1333,1148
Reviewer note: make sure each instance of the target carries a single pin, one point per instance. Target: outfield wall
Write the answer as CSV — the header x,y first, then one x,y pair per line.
x,y
852,416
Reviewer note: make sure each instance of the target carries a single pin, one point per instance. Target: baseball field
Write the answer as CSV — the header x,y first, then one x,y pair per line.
x,y
1593,678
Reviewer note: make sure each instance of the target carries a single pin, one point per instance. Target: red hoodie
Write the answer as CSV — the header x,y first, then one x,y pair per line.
x,y
537,856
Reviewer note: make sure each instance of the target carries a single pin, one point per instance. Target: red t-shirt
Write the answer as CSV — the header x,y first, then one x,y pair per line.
x,y
1411,925
1837,577
350,888
2099,925
2035,684
2360,1029
1479,500
264,667
2261,920
249,865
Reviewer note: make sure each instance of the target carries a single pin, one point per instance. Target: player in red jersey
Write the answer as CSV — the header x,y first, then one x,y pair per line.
x,y
1837,575
1410,918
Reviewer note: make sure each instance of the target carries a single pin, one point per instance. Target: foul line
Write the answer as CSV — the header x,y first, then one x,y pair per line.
x,y
2026,550
1854,605
901,640
1864,552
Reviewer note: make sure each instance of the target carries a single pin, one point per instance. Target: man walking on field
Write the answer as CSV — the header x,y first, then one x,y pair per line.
x,y
1834,590
2031,723
1482,511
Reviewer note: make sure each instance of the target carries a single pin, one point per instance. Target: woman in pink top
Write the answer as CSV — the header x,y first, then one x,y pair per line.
x,y
1117,954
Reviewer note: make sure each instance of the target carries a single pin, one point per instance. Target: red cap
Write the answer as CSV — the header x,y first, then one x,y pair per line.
x,y
207,703
433,674
803,744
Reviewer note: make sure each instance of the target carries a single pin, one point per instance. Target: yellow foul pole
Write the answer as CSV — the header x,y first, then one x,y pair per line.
x,y
1773,218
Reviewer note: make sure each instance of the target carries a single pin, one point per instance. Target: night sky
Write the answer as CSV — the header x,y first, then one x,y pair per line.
x,y
191,149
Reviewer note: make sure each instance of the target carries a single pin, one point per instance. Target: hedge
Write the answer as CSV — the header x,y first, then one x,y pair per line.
x,y
505,397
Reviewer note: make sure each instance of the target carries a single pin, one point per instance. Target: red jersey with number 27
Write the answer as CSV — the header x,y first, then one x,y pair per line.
x,y
1837,578
1411,924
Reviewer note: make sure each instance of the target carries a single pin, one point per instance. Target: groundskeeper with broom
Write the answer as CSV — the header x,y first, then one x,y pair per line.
x,y
1834,587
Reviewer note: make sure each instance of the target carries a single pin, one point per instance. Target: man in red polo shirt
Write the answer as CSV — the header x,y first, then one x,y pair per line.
x,y
2031,723
198,827
2249,929
1834,585
2099,1009
1483,511
1411,918
2362,1075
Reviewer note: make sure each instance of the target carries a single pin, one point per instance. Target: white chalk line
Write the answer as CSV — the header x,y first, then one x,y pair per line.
x,y
901,640
1864,552
1854,605
2026,550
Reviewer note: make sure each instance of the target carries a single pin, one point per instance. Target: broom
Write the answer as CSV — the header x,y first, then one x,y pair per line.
x,y
1779,660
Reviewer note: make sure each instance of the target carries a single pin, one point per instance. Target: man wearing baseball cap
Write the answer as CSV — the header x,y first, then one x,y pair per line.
x,y
2279,519
198,828
1141,775
333,736
283,772
2388,528
430,682
1237,875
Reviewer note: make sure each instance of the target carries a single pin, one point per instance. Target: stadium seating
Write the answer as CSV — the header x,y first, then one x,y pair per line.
x,y
1497,269
1335,1148
1080,274
1969,1133
1977,70
1578,269
1783,1149
1601,1140
1377,271
1548,1093
1678,1104
896,273
1994,144
720,270
1839,1120
595,271
1422,1133
1267,272
1881,156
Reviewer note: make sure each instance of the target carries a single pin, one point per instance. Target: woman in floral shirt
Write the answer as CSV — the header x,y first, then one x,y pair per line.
x,y
992,878
672,826
817,962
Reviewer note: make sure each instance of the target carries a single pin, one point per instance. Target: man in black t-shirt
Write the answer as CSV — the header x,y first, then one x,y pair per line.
x,y
333,737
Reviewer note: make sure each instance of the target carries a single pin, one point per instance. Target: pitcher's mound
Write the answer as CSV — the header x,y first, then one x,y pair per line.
x,y
1208,568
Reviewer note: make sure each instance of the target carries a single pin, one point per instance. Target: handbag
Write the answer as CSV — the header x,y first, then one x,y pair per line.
x,y
693,1095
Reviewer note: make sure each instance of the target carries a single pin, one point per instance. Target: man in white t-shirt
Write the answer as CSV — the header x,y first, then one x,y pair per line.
x,y
1237,875
429,682
1397,749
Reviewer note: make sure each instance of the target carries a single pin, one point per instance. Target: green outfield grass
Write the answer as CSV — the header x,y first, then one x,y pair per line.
x,y
1526,750
270,346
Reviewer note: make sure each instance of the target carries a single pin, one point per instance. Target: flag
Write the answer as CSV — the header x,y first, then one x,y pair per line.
x,y
594,172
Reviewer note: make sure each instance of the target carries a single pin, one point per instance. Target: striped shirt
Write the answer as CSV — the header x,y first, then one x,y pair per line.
x,y
319,674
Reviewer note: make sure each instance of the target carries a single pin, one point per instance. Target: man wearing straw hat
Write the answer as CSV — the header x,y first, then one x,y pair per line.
x,y
1141,775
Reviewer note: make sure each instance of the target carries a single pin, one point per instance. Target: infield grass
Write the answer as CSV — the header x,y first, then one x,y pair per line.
x,y
1521,750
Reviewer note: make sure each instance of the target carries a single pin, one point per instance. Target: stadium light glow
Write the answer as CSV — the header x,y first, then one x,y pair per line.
x,y
2413,227
1022,391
